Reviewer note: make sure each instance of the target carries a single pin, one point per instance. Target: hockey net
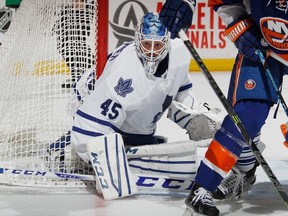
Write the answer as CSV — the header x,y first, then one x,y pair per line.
x,y
48,46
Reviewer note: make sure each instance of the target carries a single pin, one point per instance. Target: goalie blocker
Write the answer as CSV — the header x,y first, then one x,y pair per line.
x,y
114,167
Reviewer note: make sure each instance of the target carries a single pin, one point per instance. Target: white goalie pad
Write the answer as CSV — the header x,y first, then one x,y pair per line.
x,y
174,160
201,122
108,158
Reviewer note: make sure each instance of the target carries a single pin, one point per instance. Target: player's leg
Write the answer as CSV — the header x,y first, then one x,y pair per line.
x,y
243,175
174,160
254,96
108,158
114,167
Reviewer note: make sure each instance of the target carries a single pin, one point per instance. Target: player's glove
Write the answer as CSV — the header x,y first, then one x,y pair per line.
x,y
201,122
284,129
177,15
246,37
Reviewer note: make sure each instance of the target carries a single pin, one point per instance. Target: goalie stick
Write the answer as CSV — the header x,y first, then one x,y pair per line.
x,y
234,117
143,181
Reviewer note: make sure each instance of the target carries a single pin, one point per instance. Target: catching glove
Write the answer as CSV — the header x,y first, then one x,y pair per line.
x,y
284,128
201,122
177,15
246,37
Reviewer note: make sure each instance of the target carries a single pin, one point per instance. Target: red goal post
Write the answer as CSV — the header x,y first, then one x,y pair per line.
x,y
102,36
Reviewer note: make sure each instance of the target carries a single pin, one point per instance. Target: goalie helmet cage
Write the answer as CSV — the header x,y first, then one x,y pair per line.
x,y
47,43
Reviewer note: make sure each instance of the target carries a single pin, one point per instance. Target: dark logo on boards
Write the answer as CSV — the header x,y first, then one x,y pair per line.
x,y
125,20
5,19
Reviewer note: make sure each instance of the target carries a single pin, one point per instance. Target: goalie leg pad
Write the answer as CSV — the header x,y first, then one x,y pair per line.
x,y
175,160
109,161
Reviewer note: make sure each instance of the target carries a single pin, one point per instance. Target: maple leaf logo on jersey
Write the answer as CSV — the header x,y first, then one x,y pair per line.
x,y
123,87
275,32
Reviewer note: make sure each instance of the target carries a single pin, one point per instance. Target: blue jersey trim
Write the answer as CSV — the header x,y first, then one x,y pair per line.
x,y
96,120
185,87
86,132
107,124
161,162
161,171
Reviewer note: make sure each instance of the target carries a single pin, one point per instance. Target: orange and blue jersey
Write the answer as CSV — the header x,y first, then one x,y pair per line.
x,y
250,91
270,16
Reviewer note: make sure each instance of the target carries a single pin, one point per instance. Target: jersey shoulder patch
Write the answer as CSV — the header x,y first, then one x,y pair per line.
x,y
275,32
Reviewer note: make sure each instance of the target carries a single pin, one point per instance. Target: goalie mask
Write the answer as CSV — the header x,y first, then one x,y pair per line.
x,y
152,43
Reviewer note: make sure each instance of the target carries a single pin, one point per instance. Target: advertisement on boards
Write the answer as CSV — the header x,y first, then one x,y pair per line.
x,y
206,32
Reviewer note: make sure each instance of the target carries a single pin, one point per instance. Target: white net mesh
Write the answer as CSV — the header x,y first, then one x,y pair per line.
x,y
49,44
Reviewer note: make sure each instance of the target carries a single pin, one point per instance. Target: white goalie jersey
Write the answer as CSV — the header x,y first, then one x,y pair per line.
x,y
126,101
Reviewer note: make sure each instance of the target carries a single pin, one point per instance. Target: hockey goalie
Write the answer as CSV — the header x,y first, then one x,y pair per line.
x,y
114,127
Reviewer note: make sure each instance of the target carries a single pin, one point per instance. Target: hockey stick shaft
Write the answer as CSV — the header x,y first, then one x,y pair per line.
x,y
143,181
268,72
45,174
234,117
